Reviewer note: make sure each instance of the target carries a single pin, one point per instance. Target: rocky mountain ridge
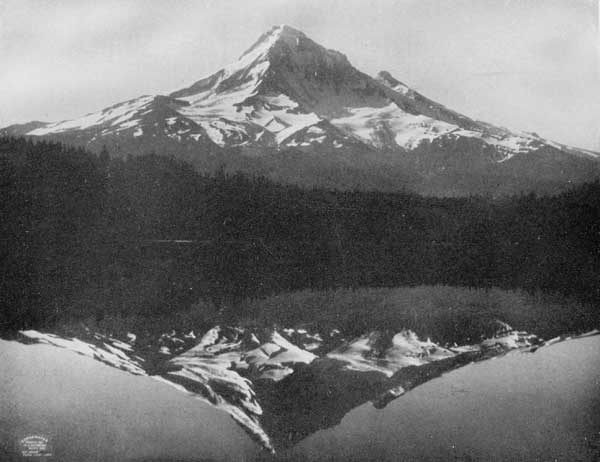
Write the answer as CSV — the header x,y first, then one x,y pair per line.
x,y
290,102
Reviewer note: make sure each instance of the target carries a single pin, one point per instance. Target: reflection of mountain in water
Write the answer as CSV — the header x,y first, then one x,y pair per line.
x,y
543,406
283,385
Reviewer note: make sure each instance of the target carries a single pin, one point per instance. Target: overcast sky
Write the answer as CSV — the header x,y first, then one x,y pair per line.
x,y
530,65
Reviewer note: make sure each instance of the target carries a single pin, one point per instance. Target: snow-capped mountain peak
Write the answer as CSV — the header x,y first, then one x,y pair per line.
x,y
281,92
281,33
287,92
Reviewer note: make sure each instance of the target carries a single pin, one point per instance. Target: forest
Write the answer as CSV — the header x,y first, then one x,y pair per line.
x,y
86,236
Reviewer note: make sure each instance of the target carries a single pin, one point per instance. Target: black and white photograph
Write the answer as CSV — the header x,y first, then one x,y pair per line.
x,y
299,230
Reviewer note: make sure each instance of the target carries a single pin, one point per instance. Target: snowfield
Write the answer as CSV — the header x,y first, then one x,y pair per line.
x,y
279,93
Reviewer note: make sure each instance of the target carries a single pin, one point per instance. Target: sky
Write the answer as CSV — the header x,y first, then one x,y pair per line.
x,y
529,65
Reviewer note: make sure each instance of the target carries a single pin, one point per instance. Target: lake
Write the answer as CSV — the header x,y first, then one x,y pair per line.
x,y
542,406
97,413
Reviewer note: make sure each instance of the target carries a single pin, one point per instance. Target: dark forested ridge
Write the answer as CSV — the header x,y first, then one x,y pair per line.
x,y
86,235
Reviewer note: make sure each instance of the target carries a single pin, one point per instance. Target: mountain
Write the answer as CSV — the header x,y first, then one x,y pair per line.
x,y
295,111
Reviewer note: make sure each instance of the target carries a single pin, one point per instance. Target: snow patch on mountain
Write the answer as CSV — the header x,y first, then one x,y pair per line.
x,y
280,93
380,126
116,115
407,130
245,113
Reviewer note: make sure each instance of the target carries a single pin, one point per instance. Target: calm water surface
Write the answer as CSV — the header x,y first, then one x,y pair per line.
x,y
542,406
521,407
97,413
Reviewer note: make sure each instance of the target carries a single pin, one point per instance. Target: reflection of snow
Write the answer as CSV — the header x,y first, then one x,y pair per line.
x,y
219,366
405,349
110,354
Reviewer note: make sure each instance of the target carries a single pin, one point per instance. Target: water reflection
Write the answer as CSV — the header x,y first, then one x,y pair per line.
x,y
524,406
97,413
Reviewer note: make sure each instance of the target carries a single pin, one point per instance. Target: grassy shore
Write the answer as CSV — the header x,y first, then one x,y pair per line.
x,y
446,314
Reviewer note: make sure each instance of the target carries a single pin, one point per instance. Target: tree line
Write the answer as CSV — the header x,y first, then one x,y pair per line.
x,y
86,235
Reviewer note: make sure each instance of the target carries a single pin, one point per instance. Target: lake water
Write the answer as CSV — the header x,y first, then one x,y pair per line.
x,y
542,406
97,413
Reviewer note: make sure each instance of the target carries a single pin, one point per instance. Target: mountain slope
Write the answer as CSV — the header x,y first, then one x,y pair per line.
x,y
288,94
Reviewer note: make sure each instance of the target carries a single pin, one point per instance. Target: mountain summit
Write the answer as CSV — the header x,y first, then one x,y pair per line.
x,y
296,111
